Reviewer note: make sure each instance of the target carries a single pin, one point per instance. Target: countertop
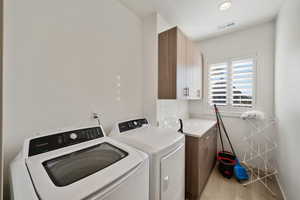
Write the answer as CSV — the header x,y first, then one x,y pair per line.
x,y
197,127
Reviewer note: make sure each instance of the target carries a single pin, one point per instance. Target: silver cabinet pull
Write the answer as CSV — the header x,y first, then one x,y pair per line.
x,y
166,183
186,91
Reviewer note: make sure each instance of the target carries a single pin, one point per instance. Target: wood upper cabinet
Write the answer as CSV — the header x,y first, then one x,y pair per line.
x,y
180,67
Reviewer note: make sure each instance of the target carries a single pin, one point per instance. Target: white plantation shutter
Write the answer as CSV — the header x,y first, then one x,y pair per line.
x,y
218,84
242,76
232,83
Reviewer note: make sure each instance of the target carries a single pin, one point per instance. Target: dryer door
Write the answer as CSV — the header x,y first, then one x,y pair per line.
x,y
172,175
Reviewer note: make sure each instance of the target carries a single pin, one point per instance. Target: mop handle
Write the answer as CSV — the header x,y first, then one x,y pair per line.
x,y
225,131
219,128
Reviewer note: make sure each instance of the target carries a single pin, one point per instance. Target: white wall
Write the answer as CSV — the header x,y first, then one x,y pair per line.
x,y
287,97
150,60
162,24
258,41
63,60
169,111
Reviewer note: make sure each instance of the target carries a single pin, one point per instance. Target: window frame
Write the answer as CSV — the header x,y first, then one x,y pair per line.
x,y
229,108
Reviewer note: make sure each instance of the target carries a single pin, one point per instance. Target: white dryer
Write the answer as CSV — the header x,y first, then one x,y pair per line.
x,y
79,164
166,149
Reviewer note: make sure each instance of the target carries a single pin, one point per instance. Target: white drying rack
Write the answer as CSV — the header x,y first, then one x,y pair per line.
x,y
257,159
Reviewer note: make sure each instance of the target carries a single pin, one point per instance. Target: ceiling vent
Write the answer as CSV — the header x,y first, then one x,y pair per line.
x,y
226,26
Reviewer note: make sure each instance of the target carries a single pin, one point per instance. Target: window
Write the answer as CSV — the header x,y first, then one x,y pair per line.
x,y
218,87
231,83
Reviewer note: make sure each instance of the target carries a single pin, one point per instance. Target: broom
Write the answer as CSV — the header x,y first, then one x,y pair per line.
x,y
239,171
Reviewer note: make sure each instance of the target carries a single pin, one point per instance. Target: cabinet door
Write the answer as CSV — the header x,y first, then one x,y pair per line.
x,y
197,74
196,77
192,167
167,64
194,71
212,148
181,65
189,69
203,164
173,175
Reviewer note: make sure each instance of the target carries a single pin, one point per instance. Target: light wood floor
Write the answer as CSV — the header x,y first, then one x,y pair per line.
x,y
220,188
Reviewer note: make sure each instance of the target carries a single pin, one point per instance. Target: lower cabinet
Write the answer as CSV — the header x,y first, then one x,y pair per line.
x,y
201,155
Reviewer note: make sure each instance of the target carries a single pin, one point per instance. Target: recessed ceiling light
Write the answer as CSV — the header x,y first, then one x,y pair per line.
x,y
225,5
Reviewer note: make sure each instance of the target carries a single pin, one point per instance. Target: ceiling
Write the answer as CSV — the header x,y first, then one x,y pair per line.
x,y
201,19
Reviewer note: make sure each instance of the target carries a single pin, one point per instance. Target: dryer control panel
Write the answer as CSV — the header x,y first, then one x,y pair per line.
x,y
60,140
132,124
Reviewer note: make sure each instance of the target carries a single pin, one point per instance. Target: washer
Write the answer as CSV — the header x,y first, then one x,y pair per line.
x,y
166,149
79,164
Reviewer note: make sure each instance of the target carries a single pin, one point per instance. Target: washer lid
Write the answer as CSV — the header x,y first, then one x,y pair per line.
x,y
151,139
82,170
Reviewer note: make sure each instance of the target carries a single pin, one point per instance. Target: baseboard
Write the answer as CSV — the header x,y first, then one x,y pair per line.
x,y
280,187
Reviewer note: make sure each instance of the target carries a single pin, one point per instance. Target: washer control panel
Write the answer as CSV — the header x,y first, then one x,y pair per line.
x,y
60,140
132,124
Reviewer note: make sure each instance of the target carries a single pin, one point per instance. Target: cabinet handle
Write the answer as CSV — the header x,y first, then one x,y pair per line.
x,y
188,92
166,183
185,91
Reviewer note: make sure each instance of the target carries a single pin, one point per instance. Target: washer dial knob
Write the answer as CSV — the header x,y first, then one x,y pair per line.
x,y
73,136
